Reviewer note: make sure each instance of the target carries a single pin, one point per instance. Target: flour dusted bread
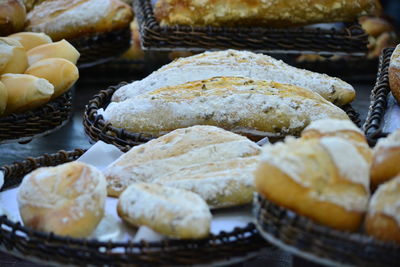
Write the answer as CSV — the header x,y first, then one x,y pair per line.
x,y
210,161
13,58
66,19
385,164
394,73
345,129
238,64
277,13
30,40
383,219
169,211
325,179
60,49
67,199
250,107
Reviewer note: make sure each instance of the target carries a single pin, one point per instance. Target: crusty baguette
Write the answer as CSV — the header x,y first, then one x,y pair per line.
x,y
240,64
30,40
394,73
250,107
66,19
277,13
13,58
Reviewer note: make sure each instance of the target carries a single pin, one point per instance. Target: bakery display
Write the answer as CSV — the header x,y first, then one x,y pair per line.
x,y
66,19
383,219
385,164
170,211
212,162
251,107
60,49
30,40
394,73
239,64
12,16
324,179
13,58
67,199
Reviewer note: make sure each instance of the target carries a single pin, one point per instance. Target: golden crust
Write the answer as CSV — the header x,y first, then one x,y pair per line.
x,y
394,73
276,13
385,165
382,227
66,19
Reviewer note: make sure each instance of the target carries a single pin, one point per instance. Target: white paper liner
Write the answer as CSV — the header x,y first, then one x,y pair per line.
x,y
112,227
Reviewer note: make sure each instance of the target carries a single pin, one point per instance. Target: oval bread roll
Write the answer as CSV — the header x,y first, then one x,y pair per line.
x,y
61,49
26,92
30,40
67,199
12,16
13,58
325,179
61,73
3,98
383,219
169,211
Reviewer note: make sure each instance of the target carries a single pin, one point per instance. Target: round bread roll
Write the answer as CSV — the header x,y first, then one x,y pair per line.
x,y
375,26
3,99
383,219
345,129
385,164
61,73
67,199
30,40
324,179
12,16
13,57
25,92
394,73
60,49
169,211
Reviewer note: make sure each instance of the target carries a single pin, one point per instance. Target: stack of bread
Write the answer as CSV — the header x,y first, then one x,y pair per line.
x,y
247,93
327,175
34,70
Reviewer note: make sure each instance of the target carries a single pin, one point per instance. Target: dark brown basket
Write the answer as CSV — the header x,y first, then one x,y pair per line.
x,y
302,237
350,40
23,127
98,129
99,48
40,246
379,100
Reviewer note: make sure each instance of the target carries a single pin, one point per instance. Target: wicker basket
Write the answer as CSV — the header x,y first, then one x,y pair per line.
x,y
98,129
302,237
379,100
44,247
48,118
350,40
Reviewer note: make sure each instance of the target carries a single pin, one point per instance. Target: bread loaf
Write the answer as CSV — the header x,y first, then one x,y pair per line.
x,y
172,212
25,92
239,64
67,199
13,57
278,13
12,16
30,40
60,49
3,98
394,73
67,19
61,73
325,179
249,107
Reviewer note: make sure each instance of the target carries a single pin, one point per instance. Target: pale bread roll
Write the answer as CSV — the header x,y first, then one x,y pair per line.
x,y
394,73
30,40
3,98
345,129
169,211
325,179
12,16
13,58
383,219
67,199
26,92
61,73
385,164
60,49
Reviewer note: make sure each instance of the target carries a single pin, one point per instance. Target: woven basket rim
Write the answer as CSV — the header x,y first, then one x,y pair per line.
x,y
373,126
351,39
13,175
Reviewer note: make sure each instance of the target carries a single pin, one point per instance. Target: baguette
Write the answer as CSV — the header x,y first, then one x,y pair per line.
x,y
394,73
13,58
61,49
240,64
30,40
